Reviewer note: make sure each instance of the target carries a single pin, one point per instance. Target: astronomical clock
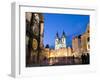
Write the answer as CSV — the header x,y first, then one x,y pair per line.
x,y
34,32
35,44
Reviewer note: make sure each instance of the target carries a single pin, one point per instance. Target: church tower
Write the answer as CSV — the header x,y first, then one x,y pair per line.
x,y
63,40
57,41
60,42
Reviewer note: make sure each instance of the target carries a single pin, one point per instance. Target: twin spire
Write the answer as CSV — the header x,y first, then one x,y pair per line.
x,y
63,35
60,42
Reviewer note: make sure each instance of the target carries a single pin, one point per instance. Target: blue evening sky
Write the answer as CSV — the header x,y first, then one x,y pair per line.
x,y
71,24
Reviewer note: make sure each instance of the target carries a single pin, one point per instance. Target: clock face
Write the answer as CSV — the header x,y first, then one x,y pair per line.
x,y
34,44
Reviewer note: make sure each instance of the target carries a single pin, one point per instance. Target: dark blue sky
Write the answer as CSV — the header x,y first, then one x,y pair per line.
x,y
71,24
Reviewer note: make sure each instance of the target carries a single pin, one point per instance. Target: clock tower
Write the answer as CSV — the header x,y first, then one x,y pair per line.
x,y
34,32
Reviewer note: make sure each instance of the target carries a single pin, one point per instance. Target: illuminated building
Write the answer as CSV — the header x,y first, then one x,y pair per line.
x,y
60,42
81,43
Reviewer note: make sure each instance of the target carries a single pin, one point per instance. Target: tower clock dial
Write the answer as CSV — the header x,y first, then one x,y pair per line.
x,y
34,44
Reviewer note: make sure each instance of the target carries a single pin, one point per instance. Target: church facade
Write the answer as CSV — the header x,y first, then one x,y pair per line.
x,y
60,42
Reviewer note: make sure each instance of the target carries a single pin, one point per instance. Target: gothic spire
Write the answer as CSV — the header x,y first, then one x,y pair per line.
x,y
63,35
57,35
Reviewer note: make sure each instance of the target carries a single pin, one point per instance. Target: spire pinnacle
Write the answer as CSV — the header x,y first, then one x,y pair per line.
x,y
57,35
63,34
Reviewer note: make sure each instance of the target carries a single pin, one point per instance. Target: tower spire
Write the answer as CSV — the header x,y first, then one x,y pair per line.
x,y
57,35
63,34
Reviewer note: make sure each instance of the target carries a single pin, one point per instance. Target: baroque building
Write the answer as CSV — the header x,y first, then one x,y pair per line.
x,y
81,43
60,42
85,40
76,45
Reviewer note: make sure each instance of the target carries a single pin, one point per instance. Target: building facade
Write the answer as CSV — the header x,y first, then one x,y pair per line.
x,y
81,43
60,42
85,40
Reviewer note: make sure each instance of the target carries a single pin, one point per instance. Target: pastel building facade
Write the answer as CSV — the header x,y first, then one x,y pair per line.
x,y
81,43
